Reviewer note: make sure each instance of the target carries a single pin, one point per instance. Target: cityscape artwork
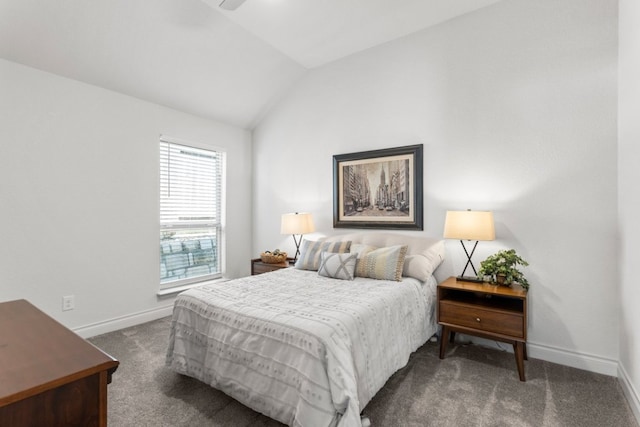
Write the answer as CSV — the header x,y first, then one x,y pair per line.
x,y
379,189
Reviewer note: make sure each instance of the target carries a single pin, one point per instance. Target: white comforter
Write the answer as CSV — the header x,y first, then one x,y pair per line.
x,y
300,348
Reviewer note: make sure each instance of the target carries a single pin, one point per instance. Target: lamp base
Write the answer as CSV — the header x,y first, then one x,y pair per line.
x,y
297,242
473,279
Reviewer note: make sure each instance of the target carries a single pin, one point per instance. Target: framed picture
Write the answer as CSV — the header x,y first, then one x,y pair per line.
x,y
378,189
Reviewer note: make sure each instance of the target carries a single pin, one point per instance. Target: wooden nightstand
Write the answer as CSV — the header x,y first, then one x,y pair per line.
x,y
485,310
259,267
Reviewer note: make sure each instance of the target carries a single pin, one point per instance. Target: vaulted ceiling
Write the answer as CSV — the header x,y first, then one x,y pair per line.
x,y
193,56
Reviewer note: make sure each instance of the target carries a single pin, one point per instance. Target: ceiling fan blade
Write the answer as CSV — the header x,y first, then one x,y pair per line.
x,y
231,4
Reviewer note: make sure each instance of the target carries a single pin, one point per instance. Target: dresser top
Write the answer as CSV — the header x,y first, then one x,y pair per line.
x,y
37,353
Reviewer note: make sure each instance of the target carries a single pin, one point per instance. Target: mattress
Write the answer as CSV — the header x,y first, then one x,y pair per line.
x,y
303,349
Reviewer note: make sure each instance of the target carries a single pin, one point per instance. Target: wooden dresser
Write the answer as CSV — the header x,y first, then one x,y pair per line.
x,y
49,376
485,310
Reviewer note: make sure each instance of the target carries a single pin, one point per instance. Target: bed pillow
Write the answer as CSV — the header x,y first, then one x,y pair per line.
x,y
423,257
337,265
383,263
310,252
360,250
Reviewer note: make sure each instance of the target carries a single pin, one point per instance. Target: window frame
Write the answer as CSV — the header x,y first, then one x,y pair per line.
x,y
188,282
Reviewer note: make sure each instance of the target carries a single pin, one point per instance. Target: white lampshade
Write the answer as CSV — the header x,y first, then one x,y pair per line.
x,y
297,223
469,225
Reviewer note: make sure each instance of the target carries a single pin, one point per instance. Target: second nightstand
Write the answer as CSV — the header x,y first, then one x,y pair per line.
x,y
259,267
484,310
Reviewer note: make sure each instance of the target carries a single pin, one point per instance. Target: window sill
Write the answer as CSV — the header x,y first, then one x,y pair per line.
x,y
178,289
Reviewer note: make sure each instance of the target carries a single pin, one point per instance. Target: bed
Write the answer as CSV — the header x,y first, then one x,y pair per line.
x,y
306,348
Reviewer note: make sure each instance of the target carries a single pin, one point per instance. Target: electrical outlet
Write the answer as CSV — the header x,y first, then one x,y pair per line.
x,y
68,303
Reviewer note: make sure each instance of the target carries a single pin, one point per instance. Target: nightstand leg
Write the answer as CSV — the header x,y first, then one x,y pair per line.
x,y
452,337
443,341
518,349
524,350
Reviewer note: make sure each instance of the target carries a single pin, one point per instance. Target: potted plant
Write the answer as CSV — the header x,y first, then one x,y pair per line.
x,y
502,267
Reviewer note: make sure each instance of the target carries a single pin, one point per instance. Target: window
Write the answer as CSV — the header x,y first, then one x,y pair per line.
x,y
191,195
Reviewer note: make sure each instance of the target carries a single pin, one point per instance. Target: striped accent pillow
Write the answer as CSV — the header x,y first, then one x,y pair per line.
x,y
337,266
310,253
360,250
383,263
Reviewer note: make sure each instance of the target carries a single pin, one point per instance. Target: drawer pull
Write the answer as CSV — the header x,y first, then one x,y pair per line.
x,y
477,319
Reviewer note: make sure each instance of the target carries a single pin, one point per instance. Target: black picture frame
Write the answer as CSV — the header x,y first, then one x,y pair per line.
x,y
379,189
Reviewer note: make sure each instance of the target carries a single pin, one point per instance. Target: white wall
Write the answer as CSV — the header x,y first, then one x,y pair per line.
x,y
516,107
79,196
629,198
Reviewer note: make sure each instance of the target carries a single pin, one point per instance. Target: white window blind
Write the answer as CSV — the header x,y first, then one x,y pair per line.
x,y
190,213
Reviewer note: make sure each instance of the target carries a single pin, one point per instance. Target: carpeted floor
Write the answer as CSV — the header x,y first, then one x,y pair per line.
x,y
472,386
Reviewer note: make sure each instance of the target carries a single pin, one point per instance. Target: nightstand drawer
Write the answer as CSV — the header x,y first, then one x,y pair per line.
x,y
265,268
259,267
500,322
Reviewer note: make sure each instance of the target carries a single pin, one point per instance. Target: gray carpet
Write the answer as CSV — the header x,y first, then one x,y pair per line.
x,y
472,386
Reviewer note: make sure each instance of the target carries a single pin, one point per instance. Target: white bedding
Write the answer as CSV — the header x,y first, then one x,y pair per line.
x,y
300,348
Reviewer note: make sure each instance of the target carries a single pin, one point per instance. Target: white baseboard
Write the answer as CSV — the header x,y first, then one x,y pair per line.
x,y
591,363
588,362
629,391
123,321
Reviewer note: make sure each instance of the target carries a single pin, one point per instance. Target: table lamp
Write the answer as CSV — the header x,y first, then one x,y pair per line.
x,y
469,225
297,224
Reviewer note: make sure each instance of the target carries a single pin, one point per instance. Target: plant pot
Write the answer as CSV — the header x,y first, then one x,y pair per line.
x,y
501,279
